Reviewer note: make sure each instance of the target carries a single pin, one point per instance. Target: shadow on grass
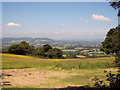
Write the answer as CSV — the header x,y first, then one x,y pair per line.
x,y
67,88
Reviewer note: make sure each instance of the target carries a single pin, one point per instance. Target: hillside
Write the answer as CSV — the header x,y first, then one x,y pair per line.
x,y
49,73
68,47
13,40
11,61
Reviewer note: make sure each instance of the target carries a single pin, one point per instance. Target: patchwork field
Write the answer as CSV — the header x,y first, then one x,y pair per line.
x,y
33,72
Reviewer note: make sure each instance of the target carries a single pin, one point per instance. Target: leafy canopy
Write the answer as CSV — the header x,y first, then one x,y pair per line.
x,y
23,48
110,44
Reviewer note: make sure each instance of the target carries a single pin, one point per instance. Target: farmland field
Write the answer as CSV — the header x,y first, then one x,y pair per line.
x,y
33,72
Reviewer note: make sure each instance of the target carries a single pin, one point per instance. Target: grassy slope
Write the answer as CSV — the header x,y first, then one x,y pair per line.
x,y
83,70
11,61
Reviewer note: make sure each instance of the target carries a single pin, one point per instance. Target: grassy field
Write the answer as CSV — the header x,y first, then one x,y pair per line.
x,y
11,61
55,72
69,50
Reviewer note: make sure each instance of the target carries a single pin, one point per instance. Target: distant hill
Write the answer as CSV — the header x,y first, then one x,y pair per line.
x,y
13,40
38,42
44,40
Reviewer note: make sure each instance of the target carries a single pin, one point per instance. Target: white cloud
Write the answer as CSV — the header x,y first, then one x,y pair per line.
x,y
14,24
100,18
56,32
62,24
86,21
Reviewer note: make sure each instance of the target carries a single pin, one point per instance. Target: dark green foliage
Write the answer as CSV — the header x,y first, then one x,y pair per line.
x,y
47,47
54,53
48,52
116,5
110,44
40,52
99,83
13,49
71,55
23,48
114,81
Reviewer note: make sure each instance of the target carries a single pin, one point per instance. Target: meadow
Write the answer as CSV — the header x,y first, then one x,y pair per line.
x,y
11,61
54,73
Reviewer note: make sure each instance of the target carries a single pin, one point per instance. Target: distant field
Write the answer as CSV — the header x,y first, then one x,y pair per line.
x,y
80,56
69,50
32,72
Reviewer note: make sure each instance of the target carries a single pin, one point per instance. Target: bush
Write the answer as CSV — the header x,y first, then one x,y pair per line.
x,y
114,81
23,48
48,52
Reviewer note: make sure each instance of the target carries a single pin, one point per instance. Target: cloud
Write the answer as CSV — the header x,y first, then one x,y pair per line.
x,y
100,18
56,32
14,24
62,24
85,21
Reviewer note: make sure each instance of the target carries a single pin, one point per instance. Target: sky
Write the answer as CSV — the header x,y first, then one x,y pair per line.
x,y
58,20
57,0
0,13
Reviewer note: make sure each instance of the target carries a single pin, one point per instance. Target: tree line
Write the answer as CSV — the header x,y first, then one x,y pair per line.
x,y
24,48
111,44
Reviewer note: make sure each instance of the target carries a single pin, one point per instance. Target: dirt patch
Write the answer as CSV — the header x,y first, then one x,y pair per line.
x,y
33,77
41,78
110,69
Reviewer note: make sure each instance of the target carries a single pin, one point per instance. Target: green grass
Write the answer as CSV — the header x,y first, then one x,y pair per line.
x,y
11,61
79,77
69,50
78,71
54,77
85,77
84,65
80,56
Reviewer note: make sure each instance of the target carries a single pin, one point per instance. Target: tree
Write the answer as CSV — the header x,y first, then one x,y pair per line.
x,y
48,52
40,51
116,5
71,55
23,48
57,53
111,45
46,47
13,49
54,53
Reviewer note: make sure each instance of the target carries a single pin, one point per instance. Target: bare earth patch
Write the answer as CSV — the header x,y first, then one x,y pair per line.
x,y
40,78
34,77
111,69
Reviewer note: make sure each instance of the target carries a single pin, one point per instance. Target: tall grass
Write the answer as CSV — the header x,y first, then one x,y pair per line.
x,y
10,61
84,65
